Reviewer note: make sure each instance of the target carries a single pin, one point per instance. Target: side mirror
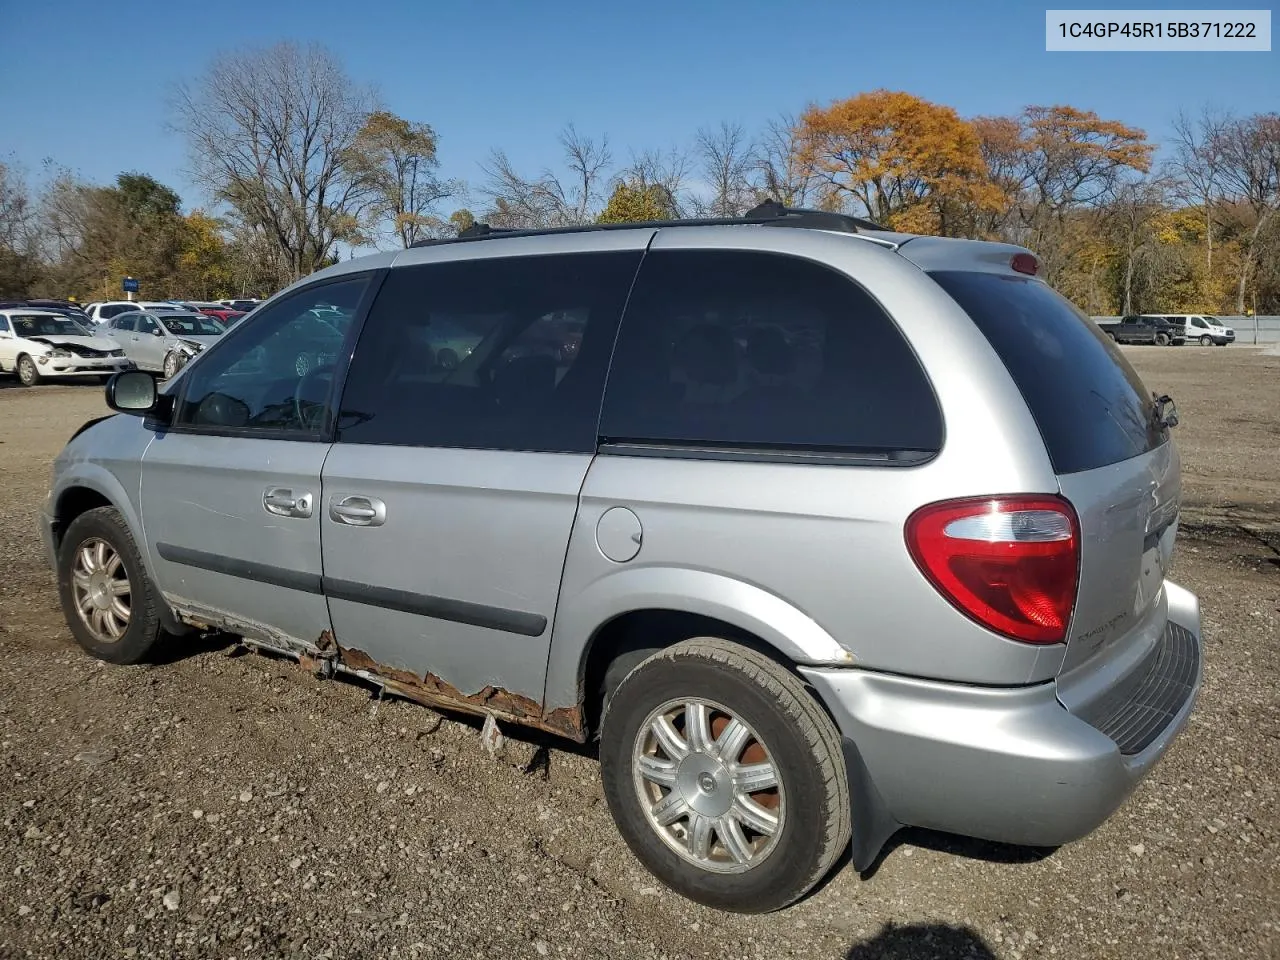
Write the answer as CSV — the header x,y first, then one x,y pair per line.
x,y
132,391
157,333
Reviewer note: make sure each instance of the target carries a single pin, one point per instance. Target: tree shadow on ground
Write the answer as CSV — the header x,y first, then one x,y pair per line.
x,y
922,941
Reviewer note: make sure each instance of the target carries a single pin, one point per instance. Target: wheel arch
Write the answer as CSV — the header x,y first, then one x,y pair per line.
x,y
93,487
655,607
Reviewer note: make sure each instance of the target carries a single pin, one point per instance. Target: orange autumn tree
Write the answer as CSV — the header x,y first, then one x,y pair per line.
x,y
910,164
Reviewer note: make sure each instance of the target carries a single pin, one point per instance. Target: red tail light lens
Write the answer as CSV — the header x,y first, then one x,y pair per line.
x,y
1010,563
1025,263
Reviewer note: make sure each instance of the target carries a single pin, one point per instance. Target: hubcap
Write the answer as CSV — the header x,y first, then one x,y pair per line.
x,y
100,586
708,785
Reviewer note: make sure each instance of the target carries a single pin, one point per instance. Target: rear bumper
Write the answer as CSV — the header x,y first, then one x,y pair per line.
x,y
1003,764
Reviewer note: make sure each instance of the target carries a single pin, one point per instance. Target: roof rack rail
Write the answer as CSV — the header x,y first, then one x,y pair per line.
x,y
770,213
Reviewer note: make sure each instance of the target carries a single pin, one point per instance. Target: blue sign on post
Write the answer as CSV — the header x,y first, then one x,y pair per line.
x,y
130,285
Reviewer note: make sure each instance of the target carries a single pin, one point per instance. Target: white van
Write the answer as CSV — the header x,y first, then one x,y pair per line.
x,y
1206,330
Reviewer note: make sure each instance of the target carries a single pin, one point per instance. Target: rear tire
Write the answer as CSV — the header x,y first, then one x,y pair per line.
x,y
107,597
711,837
28,373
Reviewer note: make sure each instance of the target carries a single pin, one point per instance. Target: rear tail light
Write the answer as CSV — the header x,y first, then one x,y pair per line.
x,y
1009,563
1025,263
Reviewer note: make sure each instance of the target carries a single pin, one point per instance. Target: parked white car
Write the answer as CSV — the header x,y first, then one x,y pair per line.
x,y
101,312
36,344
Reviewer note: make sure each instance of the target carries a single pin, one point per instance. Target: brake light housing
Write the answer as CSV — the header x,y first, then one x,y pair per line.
x,y
1025,263
1009,563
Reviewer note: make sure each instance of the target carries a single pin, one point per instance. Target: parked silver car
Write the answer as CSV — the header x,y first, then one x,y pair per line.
x,y
162,340
821,531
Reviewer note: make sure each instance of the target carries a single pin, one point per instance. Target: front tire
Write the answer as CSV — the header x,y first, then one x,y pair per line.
x,y
171,365
107,598
28,373
1206,341
724,776
1163,340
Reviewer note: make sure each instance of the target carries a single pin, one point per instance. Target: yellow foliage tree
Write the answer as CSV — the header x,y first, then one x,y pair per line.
x,y
911,164
632,203
204,269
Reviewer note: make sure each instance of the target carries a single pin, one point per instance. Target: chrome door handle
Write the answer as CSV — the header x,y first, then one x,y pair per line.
x,y
282,502
358,511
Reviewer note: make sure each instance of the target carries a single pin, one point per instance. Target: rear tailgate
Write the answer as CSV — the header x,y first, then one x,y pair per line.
x,y
1114,463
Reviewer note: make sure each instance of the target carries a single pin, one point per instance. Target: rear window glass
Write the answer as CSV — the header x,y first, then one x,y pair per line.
x,y
1089,403
750,350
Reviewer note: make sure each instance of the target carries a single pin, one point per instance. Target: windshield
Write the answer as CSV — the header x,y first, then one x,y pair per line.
x,y
1213,322
47,325
193,325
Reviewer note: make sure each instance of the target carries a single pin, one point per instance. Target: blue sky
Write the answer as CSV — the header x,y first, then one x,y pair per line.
x,y
86,83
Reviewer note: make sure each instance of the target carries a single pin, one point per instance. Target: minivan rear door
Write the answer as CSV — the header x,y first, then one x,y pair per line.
x,y
1111,454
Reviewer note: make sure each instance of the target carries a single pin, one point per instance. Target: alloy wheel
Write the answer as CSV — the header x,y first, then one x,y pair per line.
x,y
708,785
100,586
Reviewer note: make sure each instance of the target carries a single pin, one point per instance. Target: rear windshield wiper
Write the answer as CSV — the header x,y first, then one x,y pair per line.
x,y
1164,412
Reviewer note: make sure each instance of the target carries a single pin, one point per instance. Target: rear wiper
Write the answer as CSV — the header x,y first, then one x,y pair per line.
x,y
1165,411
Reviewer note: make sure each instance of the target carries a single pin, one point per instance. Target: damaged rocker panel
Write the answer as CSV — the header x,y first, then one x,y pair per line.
x,y
435,692
325,656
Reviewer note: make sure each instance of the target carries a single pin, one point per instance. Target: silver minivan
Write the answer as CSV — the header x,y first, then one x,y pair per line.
x,y
819,531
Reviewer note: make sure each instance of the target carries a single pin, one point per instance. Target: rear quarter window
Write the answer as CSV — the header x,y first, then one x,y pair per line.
x,y
765,353
1089,403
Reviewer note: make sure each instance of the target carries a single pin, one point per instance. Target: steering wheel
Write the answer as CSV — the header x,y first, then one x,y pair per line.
x,y
310,396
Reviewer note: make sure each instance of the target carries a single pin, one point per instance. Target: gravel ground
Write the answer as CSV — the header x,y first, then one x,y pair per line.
x,y
217,804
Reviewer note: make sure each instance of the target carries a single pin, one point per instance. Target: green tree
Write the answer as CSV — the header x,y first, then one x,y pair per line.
x,y
96,235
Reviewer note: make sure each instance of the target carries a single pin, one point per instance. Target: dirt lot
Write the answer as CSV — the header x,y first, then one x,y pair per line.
x,y
226,805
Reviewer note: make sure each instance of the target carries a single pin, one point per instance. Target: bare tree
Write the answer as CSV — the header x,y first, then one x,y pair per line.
x,y
550,199
1197,162
1248,150
783,173
1133,214
17,234
727,159
269,132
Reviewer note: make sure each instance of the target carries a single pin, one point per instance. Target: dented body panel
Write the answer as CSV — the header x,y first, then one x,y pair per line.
x,y
461,581
212,544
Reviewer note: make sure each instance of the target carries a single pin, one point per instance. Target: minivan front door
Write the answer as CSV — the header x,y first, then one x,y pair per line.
x,y
231,492
452,487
